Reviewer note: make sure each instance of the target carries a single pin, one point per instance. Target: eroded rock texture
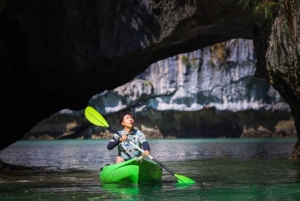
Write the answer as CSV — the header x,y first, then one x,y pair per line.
x,y
278,62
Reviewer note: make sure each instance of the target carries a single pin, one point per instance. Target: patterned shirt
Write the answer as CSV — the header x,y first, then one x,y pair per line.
x,y
125,149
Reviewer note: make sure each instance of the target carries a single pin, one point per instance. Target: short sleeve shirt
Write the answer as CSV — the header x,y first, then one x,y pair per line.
x,y
125,149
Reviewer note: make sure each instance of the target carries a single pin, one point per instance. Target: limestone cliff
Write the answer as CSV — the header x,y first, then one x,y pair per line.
x,y
220,76
216,84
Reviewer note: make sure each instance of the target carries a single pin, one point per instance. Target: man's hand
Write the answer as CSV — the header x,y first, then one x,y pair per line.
x,y
123,138
146,153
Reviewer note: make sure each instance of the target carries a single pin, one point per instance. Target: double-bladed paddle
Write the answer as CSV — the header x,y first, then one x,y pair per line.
x,y
97,119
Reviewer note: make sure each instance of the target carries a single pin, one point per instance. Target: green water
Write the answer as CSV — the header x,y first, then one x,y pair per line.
x,y
223,169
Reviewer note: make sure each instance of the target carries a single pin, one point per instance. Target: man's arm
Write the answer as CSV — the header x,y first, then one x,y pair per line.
x,y
146,146
112,143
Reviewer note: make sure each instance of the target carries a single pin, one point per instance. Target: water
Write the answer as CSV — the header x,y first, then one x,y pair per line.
x,y
224,169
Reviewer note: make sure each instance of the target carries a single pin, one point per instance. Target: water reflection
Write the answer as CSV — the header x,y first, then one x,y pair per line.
x,y
224,169
124,192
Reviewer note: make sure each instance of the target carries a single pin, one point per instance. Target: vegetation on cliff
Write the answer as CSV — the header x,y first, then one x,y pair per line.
x,y
267,9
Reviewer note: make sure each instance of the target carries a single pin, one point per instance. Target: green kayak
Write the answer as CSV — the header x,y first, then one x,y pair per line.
x,y
131,171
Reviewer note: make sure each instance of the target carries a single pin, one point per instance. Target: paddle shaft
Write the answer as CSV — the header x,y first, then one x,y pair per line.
x,y
141,150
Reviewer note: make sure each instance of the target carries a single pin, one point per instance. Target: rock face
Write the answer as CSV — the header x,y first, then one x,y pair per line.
x,y
210,92
56,55
278,60
220,76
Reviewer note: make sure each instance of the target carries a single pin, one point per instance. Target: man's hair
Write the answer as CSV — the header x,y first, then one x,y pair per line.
x,y
123,115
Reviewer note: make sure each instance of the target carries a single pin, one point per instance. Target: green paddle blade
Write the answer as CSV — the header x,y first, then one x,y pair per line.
x,y
183,179
95,117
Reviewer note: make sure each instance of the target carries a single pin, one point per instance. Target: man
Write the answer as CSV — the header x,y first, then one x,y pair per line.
x,y
125,150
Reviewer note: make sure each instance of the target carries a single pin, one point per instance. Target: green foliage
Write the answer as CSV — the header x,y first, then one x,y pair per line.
x,y
219,50
147,83
191,62
185,60
267,8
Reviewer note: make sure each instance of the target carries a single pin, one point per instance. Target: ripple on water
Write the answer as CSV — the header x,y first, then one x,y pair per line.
x,y
223,170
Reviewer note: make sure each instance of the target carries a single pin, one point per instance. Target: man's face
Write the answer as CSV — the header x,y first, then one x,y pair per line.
x,y
128,121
